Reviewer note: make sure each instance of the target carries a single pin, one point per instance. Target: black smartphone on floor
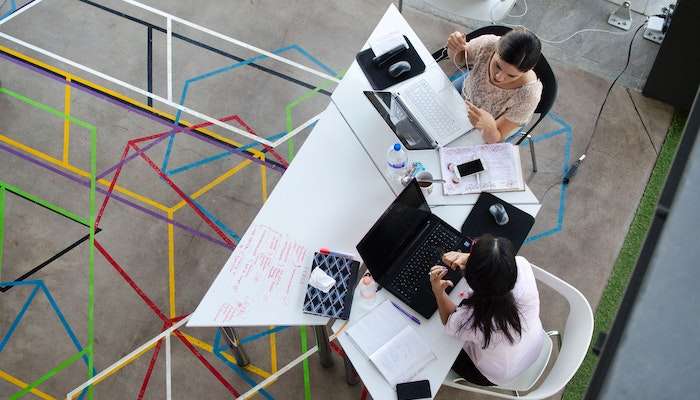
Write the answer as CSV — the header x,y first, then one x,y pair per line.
x,y
413,390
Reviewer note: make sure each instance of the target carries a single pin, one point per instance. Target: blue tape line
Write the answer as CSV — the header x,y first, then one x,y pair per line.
x,y
231,67
565,166
18,318
12,9
168,149
218,223
65,324
40,285
219,156
313,59
234,367
263,334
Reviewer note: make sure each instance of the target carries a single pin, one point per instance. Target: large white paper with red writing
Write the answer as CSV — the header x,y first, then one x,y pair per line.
x,y
263,283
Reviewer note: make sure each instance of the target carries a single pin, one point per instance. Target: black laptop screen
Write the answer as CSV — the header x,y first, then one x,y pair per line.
x,y
399,224
399,120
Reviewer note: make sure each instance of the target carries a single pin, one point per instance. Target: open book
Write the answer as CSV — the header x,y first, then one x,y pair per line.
x,y
502,169
395,348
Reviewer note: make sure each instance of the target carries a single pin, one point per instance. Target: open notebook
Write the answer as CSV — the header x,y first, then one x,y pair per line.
x,y
395,348
502,169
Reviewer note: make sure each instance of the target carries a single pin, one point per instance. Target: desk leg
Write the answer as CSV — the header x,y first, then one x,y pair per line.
x,y
234,344
351,376
324,350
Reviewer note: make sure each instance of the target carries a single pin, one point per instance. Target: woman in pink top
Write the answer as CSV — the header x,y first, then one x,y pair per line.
x,y
500,89
499,319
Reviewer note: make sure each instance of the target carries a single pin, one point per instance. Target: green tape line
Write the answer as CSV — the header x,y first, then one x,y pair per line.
x,y
91,263
44,203
304,348
89,349
60,367
48,109
289,107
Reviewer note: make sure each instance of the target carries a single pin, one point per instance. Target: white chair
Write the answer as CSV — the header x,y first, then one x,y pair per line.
x,y
573,345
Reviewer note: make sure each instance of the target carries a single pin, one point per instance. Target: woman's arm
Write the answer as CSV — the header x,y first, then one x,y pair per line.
x,y
493,131
504,126
456,47
445,305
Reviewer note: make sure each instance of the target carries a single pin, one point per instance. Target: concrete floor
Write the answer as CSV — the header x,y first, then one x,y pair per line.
x,y
597,207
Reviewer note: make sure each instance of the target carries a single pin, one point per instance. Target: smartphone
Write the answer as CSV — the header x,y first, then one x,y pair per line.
x,y
413,390
470,168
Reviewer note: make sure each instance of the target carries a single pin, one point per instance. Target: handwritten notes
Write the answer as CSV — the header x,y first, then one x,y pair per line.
x,y
502,168
267,272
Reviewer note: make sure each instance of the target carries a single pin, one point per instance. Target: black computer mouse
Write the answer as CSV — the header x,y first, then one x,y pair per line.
x,y
399,68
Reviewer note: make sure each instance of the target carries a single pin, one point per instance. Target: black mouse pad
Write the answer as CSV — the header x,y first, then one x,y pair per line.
x,y
379,77
480,221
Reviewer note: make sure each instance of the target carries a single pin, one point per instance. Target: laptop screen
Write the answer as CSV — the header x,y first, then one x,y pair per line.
x,y
394,230
399,120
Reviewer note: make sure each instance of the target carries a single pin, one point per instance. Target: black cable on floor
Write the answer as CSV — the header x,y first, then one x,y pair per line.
x,y
571,172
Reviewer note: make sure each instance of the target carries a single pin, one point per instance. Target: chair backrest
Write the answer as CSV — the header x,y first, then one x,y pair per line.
x,y
576,337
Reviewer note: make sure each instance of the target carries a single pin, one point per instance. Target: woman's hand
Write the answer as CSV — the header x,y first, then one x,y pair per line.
x,y
436,282
455,259
456,42
482,119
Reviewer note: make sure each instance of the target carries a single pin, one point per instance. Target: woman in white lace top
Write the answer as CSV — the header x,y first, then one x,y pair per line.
x,y
500,89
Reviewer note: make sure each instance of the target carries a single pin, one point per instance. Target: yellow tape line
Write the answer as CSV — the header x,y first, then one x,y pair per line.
x,y
81,172
273,351
213,183
21,384
208,348
120,96
125,363
66,122
171,265
263,180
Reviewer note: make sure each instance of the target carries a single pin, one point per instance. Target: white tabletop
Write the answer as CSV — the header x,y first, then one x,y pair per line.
x,y
376,136
330,196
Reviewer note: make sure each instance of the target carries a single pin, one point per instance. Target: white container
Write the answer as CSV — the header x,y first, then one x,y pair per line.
x,y
396,162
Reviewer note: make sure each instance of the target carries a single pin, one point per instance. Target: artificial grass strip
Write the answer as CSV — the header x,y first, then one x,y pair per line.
x,y
627,259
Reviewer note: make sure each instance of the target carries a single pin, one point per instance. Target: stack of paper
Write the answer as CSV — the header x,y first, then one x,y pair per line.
x,y
394,347
387,42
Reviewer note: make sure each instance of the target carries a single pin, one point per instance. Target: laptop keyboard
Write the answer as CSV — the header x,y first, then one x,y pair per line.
x,y
425,101
414,274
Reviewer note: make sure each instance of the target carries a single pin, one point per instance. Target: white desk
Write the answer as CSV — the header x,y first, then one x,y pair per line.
x,y
330,199
376,136
325,198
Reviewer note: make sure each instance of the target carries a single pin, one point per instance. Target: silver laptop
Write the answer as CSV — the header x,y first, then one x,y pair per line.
x,y
422,117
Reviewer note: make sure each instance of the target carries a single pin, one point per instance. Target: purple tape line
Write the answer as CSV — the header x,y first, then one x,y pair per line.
x,y
131,204
136,110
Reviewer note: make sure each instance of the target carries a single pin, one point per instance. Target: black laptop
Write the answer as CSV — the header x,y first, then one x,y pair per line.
x,y
404,244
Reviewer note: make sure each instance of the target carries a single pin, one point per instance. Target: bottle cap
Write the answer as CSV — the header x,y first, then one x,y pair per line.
x,y
397,146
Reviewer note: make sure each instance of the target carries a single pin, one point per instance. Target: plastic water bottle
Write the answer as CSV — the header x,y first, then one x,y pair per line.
x,y
396,161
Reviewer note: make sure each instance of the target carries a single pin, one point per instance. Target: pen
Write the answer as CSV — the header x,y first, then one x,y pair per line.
x,y
404,312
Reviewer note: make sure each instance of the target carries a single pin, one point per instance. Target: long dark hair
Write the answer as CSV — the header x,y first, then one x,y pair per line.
x,y
491,272
520,48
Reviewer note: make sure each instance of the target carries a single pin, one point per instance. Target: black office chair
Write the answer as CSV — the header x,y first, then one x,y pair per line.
x,y
544,74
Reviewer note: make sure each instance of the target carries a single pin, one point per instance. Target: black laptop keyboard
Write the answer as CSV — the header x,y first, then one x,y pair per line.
x,y
414,274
